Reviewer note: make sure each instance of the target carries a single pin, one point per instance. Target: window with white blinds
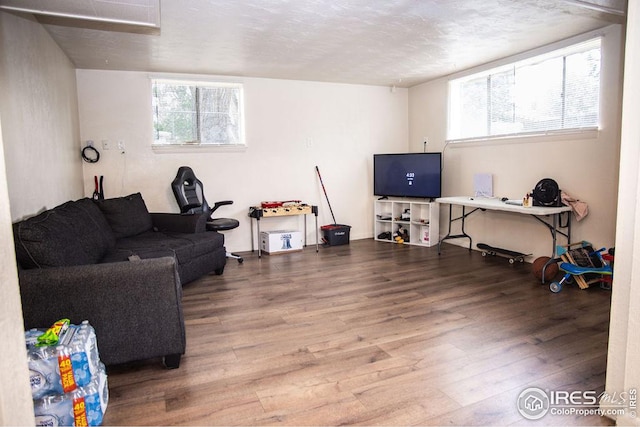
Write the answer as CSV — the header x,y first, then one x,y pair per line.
x,y
555,92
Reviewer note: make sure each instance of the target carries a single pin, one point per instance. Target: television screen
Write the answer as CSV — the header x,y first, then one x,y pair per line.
x,y
407,175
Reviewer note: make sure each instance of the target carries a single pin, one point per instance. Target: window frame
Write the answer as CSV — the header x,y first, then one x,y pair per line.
x,y
560,50
199,83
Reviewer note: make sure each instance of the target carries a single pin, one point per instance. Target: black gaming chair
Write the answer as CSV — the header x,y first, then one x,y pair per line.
x,y
189,194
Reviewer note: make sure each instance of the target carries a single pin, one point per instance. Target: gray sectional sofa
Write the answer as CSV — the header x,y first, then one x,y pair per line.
x,y
120,267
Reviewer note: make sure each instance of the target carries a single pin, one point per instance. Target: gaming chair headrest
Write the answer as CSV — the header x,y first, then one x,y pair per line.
x,y
188,191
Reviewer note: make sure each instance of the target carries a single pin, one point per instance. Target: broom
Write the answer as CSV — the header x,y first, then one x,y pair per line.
x,y
326,196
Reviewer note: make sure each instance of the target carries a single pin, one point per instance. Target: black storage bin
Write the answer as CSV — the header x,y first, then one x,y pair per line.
x,y
336,234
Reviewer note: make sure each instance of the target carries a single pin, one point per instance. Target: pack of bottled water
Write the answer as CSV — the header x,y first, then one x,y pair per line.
x,y
68,380
85,406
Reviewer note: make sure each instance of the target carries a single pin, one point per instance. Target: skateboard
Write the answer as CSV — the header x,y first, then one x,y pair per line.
x,y
513,256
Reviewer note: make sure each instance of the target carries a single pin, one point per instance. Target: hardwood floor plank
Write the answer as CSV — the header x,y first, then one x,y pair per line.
x,y
403,402
323,412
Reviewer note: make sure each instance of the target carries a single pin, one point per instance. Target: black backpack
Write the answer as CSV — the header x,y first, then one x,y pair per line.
x,y
546,193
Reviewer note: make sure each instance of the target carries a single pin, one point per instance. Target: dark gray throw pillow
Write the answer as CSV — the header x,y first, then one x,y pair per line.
x,y
128,216
74,233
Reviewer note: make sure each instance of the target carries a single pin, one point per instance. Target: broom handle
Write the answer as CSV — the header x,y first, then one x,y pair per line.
x,y
325,195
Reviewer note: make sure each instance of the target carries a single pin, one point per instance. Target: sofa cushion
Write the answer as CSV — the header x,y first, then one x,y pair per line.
x,y
201,243
128,216
74,233
184,246
122,254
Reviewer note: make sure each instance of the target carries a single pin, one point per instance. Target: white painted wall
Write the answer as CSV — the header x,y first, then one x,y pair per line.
x,y
291,126
623,370
39,110
585,166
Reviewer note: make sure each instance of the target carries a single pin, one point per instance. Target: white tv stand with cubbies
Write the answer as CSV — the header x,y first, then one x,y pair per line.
x,y
421,219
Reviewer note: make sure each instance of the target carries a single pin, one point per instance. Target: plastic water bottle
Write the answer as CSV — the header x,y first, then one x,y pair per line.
x,y
103,387
65,368
86,406
31,337
44,375
55,410
90,402
75,347
88,335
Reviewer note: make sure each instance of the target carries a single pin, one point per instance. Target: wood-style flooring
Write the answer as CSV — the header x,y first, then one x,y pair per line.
x,y
370,333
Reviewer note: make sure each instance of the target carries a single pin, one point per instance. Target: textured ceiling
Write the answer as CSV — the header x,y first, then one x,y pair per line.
x,y
394,43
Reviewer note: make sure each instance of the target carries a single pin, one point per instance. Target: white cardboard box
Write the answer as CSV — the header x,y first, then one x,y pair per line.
x,y
280,241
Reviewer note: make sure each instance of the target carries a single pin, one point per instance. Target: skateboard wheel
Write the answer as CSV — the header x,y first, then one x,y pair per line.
x,y
555,287
511,260
484,253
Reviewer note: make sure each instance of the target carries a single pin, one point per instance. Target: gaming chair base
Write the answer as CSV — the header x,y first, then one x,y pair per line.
x,y
235,256
222,224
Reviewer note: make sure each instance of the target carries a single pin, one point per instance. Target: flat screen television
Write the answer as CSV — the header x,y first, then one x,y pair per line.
x,y
416,175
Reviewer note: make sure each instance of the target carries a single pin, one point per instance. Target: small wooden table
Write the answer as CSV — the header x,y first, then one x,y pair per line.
x,y
258,212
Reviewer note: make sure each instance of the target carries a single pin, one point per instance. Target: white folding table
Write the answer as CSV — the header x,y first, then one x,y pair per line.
x,y
549,216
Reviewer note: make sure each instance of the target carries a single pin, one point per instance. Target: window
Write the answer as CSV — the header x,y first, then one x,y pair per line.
x,y
197,113
558,91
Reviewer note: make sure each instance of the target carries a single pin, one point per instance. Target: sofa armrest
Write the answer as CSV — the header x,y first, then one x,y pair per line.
x,y
134,306
179,223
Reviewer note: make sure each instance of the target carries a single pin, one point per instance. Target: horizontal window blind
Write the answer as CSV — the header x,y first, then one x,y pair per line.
x,y
556,91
